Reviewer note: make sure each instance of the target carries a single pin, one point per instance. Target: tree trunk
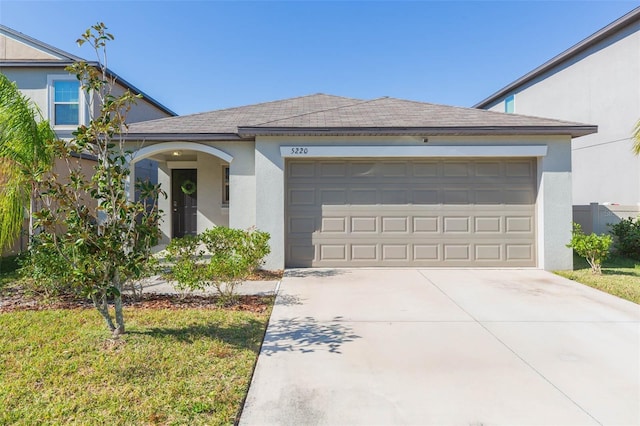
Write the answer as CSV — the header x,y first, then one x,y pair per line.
x,y
119,316
118,305
102,307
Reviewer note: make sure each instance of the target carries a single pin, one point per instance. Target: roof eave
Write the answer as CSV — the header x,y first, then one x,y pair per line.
x,y
187,137
39,63
614,27
573,131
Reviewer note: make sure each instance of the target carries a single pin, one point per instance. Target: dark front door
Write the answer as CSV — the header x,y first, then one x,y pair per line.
x,y
184,202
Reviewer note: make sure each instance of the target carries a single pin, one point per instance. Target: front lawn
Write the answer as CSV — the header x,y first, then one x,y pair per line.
x,y
174,365
620,277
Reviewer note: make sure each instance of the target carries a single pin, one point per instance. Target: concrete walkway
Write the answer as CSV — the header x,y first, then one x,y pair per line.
x,y
158,284
445,347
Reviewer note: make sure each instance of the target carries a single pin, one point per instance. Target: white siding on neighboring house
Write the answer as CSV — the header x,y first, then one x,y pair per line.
x,y
599,86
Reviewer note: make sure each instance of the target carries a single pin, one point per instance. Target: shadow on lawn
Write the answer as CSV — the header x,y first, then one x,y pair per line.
x,y
606,271
244,335
306,335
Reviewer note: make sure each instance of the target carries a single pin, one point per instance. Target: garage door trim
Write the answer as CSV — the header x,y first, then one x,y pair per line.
x,y
387,151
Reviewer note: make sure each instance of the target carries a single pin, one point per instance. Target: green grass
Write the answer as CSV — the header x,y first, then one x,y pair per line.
x,y
620,277
174,366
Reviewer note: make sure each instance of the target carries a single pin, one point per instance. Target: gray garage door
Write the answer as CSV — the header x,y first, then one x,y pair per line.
x,y
435,212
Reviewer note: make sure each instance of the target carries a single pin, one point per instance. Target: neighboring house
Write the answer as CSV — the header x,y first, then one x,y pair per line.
x,y
39,71
382,182
596,81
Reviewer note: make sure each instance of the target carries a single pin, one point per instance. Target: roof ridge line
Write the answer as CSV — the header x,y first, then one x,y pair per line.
x,y
360,102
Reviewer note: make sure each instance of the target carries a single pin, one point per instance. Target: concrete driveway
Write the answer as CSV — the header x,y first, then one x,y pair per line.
x,y
445,347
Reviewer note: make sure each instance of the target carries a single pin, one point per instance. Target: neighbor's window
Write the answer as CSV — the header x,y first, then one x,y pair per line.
x,y
510,104
65,101
225,185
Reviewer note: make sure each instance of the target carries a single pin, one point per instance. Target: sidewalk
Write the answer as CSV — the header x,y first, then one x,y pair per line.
x,y
158,284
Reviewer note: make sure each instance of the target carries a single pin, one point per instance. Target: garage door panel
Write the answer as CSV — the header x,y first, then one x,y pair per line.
x,y
425,169
426,224
366,252
333,169
454,224
363,196
519,169
333,252
364,224
398,169
426,252
411,213
302,225
457,252
332,196
425,196
300,253
489,169
519,251
395,224
518,224
301,170
487,224
488,252
302,197
334,224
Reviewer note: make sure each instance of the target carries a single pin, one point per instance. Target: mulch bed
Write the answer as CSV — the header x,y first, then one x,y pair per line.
x,y
262,275
16,299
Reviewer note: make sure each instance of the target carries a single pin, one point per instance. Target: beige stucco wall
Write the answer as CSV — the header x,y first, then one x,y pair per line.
x,y
601,87
142,110
33,83
11,49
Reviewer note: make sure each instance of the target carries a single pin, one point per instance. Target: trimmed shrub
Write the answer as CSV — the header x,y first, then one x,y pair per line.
x,y
231,256
235,254
594,248
186,256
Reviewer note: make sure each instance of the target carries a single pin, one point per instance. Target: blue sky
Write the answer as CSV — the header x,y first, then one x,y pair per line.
x,y
198,56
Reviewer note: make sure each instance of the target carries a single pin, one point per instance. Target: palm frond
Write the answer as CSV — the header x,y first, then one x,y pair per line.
x,y
636,139
26,152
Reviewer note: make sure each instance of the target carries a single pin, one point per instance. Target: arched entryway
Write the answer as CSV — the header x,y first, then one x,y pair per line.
x,y
193,175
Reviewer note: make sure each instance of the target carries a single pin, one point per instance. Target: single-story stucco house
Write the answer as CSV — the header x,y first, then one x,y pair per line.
x,y
383,182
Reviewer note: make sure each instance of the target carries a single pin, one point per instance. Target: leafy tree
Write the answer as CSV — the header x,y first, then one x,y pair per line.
x,y
88,223
594,248
25,156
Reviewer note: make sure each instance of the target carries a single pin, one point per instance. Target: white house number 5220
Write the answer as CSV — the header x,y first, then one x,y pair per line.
x,y
299,150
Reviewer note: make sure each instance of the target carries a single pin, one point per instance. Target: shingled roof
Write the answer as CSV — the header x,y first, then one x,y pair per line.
x,y
322,114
